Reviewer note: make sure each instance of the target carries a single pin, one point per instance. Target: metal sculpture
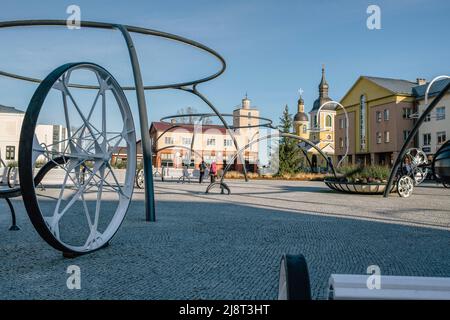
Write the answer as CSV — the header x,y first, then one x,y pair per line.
x,y
202,116
223,185
442,161
441,164
346,126
415,165
92,145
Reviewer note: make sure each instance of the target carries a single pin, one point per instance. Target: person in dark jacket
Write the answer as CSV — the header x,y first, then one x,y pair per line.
x,y
202,169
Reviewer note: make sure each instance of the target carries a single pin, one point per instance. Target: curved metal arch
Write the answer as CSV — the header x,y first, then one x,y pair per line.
x,y
178,146
305,154
431,84
346,126
208,115
269,136
412,134
112,26
194,91
167,130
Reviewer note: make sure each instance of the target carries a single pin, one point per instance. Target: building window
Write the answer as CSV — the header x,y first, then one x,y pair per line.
x,y
341,142
329,121
387,137
10,153
166,156
211,142
379,138
427,139
362,122
227,142
305,129
427,118
406,113
378,116
405,134
315,121
342,123
186,141
168,140
440,113
386,114
441,137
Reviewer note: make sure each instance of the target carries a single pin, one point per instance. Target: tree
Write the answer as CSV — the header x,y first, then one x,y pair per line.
x,y
189,116
289,151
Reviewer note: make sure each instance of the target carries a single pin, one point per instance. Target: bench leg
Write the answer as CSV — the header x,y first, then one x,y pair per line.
x,y
14,226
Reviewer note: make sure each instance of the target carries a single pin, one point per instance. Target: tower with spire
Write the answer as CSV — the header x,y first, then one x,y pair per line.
x,y
301,119
326,117
320,130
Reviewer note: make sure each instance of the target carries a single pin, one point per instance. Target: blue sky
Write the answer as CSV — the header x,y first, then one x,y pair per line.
x,y
272,48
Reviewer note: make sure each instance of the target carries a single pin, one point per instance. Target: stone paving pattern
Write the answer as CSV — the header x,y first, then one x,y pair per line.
x,y
228,247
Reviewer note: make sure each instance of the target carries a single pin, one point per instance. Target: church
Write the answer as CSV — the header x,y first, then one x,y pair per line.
x,y
318,128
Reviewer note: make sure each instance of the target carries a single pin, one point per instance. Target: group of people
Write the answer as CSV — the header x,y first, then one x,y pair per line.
x,y
212,171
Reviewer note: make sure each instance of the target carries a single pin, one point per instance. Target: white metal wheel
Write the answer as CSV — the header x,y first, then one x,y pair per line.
x,y
405,186
417,157
414,165
419,174
12,176
140,179
85,199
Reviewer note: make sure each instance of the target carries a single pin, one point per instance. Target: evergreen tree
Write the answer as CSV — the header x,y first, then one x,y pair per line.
x,y
289,151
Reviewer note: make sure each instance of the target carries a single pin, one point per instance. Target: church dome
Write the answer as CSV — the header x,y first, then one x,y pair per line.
x,y
300,116
318,102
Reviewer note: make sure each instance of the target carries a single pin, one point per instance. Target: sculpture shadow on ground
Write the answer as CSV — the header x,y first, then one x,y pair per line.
x,y
216,250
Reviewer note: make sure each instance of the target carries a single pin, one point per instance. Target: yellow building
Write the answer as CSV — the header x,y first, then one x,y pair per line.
x,y
379,112
319,128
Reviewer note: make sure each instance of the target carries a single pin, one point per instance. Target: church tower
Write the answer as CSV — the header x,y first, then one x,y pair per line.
x,y
301,120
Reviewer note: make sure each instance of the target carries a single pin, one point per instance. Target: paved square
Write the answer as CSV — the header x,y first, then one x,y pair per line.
x,y
228,247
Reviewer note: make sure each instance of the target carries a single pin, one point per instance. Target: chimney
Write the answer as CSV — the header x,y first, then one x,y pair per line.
x,y
421,81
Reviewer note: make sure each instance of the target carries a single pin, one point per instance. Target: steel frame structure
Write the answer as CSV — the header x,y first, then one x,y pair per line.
x,y
139,87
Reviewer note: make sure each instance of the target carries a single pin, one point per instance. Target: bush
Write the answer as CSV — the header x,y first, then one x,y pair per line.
x,y
365,174
301,176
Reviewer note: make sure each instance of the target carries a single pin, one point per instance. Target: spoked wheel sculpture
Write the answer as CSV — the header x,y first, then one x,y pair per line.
x,y
86,204
74,217
415,165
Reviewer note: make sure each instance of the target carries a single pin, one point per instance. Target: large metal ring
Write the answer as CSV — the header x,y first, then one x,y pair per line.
x,y
102,25
268,123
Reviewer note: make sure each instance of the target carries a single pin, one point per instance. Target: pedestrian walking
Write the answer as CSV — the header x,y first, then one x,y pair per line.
x,y
213,171
202,169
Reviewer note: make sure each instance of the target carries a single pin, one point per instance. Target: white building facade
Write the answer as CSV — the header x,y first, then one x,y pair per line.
x,y
435,130
10,126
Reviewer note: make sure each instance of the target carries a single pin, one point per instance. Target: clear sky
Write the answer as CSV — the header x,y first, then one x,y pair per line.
x,y
272,48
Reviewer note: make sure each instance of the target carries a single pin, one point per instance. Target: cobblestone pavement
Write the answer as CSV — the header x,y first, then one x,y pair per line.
x,y
228,247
